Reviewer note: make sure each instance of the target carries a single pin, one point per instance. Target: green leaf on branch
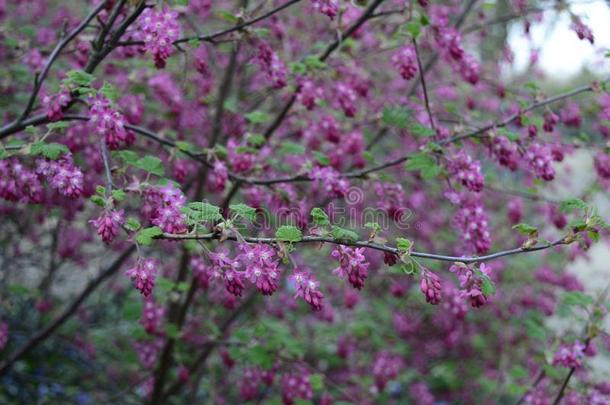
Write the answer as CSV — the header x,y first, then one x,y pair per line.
x,y
572,204
146,235
127,156
258,117
576,298
118,195
319,217
404,245
344,234
317,382
414,28
79,78
49,150
420,130
197,212
526,229
291,148
395,116
151,164
288,233
110,92
132,224
98,200
244,211
426,165
54,126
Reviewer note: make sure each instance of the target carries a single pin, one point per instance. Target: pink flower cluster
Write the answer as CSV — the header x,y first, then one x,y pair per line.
x,y
227,268
309,93
430,286
108,122
334,185
505,151
602,164
386,367
307,288
582,30
159,29
296,385
108,224
471,283
260,268
218,177
467,171
570,355
473,224
405,60
19,183
153,316
201,272
352,265
54,104
329,8
252,379
143,275
539,160
346,97
162,206
62,175
273,67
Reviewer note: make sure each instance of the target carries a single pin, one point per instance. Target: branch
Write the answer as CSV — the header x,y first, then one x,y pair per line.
x,y
423,85
67,313
371,245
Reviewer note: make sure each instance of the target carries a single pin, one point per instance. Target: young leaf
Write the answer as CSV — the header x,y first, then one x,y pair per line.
x,y
395,116
151,164
201,212
526,229
110,92
49,150
572,204
403,244
244,211
344,234
79,78
258,117
288,233
118,195
319,217
146,235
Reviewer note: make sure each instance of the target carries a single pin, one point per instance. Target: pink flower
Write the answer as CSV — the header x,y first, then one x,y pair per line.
x,y
261,269
273,67
471,221
329,8
570,356
62,175
405,60
352,265
153,316
602,164
218,177
159,29
143,275
334,185
108,122
467,171
430,286
55,104
296,385
108,224
307,288
162,205
539,160
506,152
309,93
583,31
386,367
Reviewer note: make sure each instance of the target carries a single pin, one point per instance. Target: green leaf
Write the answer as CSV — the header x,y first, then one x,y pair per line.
x,y
256,140
395,116
526,229
344,234
146,235
576,298
420,130
409,268
49,150
288,233
101,190
244,211
201,212
172,331
414,28
258,117
98,200
132,224
79,78
227,16
572,204
118,195
151,164
487,286
291,148
321,158
194,43
317,382
404,244
319,217
314,62
54,126
110,92
128,156
420,161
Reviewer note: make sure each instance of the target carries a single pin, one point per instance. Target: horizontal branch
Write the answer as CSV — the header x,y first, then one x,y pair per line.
x,y
371,245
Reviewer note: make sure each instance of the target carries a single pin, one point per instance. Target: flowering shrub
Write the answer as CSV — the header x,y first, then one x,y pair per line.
x,y
297,202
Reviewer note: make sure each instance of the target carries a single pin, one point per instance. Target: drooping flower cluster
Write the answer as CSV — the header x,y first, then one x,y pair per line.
x,y
162,206
471,282
346,97
54,104
260,267
334,185
143,275
218,177
582,30
309,93
273,67
252,379
228,269
152,317
108,224
430,286
329,8
506,152
19,183
307,288
602,164
386,367
570,355
201,272
405,60
62,174
352,265
159,29
108,122
472,222
550,120
467,171
3,335
296,385
539,160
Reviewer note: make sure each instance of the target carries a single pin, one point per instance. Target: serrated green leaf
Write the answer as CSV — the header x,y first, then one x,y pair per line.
x,y
258,117
128,156
54,126
118,195
151,164
576,298
49,150
79,78
343,234
319,217
288,233
244,211
291,148
526,229
317,382
197,212
146,235
132,224
420,130
110,92
572,204
404,244
396,116
98,200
